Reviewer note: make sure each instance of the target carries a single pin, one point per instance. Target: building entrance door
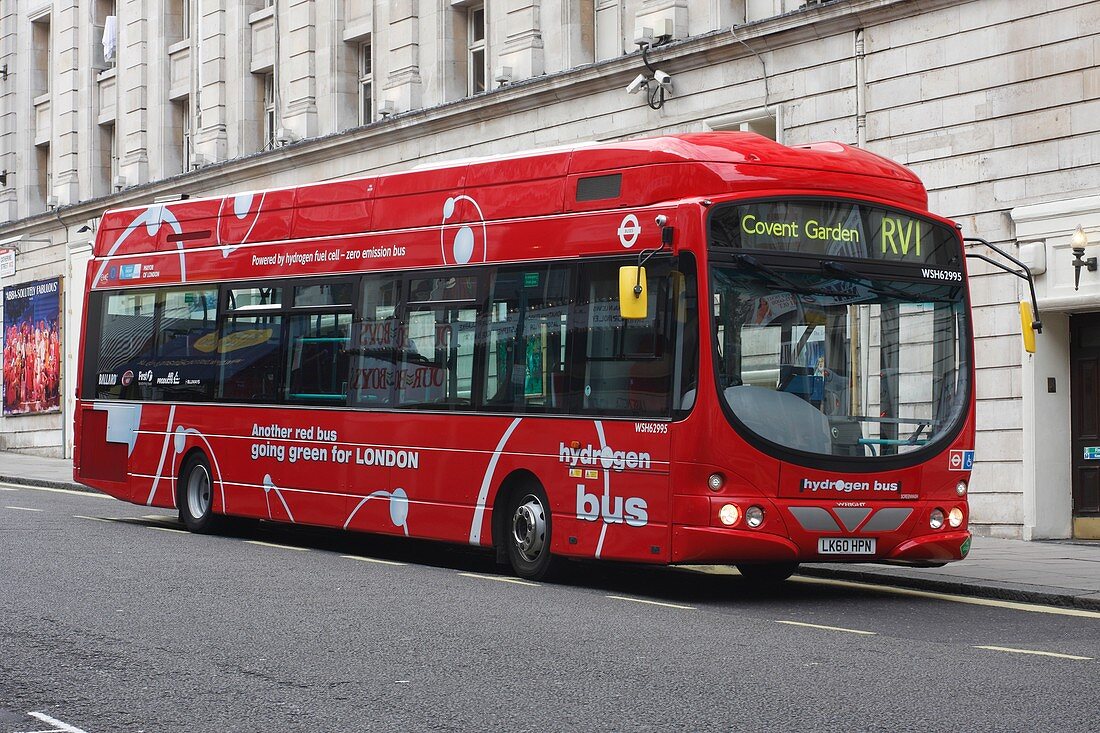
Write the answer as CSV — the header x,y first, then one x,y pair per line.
x,y
1085,423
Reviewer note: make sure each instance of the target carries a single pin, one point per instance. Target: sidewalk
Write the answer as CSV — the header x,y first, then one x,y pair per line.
x,y
1051,572
18,468
1063,573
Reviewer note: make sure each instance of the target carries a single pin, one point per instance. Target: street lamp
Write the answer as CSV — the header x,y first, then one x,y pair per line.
x,y
1079,241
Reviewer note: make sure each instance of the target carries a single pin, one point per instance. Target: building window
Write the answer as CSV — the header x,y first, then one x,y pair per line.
x,y
113,132
45,174
108,159
105,34
366,76
270,121
43,57
182,121
477,62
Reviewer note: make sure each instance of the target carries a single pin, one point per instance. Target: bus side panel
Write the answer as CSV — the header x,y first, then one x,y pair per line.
x,y
606,480
98,462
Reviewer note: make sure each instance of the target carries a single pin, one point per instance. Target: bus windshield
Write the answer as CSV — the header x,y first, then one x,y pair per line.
x,y
832,361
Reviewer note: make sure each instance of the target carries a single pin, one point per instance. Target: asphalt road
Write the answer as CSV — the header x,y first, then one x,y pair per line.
x,y
112,619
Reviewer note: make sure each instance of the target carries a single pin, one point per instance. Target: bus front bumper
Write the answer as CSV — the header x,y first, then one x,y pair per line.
x,y
715,545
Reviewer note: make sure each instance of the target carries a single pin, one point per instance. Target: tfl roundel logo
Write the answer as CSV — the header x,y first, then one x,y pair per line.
x,y
961,460
628,231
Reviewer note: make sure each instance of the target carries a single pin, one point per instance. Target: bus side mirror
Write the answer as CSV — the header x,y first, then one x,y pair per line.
x,y
1027,326
633,303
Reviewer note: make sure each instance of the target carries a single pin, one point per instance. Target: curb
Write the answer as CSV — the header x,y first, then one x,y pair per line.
x,y
957,587
48,483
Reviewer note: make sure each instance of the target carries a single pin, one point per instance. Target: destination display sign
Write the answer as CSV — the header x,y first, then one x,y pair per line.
x,y
834,229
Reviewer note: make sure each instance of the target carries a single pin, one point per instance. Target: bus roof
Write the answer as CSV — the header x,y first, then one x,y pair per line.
x,y
583,177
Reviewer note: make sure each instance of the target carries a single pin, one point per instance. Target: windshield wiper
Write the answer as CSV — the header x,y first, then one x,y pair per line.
x,y
846,273
776,279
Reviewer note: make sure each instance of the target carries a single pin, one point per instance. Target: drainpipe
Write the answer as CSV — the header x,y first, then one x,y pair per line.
x,y
861,91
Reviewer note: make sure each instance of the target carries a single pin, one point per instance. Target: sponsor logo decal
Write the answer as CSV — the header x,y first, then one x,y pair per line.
x,y
129,272
171,378
127,378
961,460
840,486
145,377
108,380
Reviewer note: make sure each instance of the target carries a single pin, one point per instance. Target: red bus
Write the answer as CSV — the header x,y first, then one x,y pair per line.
x,y
443,354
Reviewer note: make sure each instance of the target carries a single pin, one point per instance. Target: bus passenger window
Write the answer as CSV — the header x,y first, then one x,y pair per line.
x,y
436,370
627,364
525,340
437,361
126,343
187,343
376,342
249,351
317,358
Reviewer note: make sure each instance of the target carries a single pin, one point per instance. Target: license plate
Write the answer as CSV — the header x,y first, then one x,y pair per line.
x,y
846,545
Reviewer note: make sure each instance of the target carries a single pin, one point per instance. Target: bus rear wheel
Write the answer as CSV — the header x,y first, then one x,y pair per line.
x,y
196,495
767,572
527,534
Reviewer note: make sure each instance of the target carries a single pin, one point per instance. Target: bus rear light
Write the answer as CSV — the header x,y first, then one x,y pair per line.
x,y
935,519
716,481
754,516
955,517
729,514
960,488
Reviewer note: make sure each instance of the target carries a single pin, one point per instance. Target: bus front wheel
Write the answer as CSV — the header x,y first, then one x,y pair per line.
x,y
767,572
527,533
196,495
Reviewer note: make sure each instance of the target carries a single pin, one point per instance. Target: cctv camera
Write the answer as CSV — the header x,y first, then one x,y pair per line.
x,y
663,79
640,82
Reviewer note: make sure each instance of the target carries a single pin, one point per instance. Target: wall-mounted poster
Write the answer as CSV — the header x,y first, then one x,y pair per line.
x,y
32,347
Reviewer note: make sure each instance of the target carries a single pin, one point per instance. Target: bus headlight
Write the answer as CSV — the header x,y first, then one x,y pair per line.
x,y
960,488
935,519
729,514
754,516
715,482
955,517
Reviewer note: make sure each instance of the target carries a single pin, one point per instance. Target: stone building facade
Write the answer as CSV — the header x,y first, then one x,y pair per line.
x,y
995,104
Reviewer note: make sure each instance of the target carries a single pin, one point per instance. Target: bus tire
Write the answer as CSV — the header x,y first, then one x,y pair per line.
x,y
527,528
767,572
196,495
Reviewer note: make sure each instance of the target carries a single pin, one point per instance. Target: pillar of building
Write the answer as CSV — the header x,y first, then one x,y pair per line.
x,y
299,59
521,47
403,85
8,122
135,47
65,103
210,85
